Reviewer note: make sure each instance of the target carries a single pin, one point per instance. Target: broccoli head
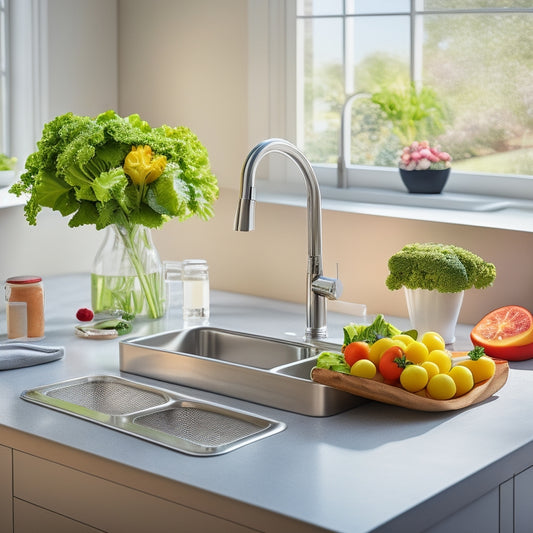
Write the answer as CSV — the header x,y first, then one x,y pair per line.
x,y
440,267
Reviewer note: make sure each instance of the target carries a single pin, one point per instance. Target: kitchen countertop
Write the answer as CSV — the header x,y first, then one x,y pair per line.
x,y
374,467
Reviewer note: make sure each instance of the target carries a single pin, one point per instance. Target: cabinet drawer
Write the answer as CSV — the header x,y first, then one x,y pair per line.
x,y
523,503
6,491
104,504
29,518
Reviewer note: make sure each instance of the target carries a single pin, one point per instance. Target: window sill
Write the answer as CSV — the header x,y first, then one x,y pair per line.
x,y
9,200
448,208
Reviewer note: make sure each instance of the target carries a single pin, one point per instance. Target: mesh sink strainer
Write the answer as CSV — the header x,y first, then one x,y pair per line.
x,y
180,422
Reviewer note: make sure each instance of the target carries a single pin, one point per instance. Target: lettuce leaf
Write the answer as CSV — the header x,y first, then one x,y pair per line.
x,y
378,329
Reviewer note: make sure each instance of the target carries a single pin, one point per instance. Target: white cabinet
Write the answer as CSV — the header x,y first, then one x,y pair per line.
x,y
6,494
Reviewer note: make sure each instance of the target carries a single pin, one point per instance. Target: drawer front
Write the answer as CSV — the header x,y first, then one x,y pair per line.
x,y
29,518
6,490
104,504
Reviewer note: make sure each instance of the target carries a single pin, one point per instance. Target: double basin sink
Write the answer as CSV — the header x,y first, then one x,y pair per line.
x,y
264,370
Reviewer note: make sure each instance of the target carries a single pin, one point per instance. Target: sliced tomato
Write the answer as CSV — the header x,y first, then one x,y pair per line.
x,y
508,326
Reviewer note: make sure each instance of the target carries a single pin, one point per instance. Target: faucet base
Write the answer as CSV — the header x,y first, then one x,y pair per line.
x,y
316,333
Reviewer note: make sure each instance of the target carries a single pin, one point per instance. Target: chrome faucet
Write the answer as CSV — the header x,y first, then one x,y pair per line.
x,y
345,138
319,287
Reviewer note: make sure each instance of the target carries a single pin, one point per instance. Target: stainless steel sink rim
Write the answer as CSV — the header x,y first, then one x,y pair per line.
x,y
281,384
230,428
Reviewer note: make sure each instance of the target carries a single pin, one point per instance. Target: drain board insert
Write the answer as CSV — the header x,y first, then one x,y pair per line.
x,y
179,422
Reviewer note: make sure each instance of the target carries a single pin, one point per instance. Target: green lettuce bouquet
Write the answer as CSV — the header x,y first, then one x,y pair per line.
x,y
111,170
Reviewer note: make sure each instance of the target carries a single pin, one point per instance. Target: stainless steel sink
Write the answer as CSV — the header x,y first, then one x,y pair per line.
x,y
255,368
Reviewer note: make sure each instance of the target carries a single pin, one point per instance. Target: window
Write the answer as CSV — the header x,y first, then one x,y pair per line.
x,y
4,117
474,56
26,94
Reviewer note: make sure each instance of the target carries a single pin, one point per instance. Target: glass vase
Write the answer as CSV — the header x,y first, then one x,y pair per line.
x,y
127,273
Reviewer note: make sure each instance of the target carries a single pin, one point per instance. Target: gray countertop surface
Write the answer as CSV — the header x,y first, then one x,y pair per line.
x,y
374,467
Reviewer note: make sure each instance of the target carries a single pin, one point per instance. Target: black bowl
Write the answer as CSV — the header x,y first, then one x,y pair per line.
x,y
425,181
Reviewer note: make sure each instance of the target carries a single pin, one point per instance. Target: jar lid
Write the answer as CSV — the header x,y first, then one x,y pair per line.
x,y
187,262
23,280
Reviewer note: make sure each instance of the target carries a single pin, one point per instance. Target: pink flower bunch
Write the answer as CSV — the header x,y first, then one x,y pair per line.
x,y
421,156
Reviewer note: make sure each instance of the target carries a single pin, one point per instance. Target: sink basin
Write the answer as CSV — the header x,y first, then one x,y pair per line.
x,y
255,368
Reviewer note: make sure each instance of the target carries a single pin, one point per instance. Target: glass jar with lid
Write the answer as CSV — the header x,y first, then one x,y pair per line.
x,y
195,276
24,307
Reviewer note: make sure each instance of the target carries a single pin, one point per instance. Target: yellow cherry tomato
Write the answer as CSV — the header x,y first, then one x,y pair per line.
x,y
401,344
414,378
416,352
463,378
402,337
364,368
431,368
433,341
441,387
377,349
442,359
481,369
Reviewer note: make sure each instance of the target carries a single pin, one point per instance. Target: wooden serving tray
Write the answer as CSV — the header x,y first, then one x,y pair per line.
x,y
376,389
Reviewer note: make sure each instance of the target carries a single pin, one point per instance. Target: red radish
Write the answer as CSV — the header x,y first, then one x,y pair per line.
x,y
84,315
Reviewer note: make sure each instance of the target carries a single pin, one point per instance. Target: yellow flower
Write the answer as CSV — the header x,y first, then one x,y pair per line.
x,y
141,167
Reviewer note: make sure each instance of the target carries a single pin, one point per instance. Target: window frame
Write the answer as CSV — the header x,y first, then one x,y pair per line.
x,y
27,81
4,76
273,112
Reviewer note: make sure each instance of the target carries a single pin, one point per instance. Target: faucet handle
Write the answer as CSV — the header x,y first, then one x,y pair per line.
x,y
331,288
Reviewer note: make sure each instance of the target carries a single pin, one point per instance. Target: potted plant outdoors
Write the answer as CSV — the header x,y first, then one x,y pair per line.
x,y
7,169
423,168
434,277
416,114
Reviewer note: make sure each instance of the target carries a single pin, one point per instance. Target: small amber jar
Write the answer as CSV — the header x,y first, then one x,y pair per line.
x,y
24,307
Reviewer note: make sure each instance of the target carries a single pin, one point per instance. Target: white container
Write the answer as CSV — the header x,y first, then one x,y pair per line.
x,y
195,276
434,311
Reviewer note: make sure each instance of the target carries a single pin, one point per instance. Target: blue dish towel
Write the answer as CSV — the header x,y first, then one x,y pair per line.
x,y
21,354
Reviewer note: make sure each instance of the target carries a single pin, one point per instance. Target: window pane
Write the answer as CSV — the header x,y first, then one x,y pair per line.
x,y
477,66
378,57
322,88
473,4
482,68
371,6
378,53
319,7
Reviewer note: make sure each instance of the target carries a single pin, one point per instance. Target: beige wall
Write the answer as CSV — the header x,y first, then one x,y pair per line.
x,y
271,261
185,62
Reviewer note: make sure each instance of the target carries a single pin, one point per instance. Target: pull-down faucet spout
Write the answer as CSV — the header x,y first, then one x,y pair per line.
x,y
345,139
318,287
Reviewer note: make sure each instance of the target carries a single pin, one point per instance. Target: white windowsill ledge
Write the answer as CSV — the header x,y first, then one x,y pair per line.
x,y
449,208
10,200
